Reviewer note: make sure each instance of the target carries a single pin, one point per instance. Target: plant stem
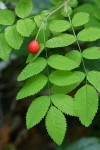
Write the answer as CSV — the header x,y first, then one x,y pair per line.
x,y
47,63
49,15
78,44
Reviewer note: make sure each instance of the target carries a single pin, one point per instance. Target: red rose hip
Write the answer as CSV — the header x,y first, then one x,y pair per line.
x,y
33,47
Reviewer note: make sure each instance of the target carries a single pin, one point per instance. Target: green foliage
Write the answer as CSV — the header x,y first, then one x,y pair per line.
x,y
5,49
32,86
37,111
56,125
89,34
61,62
80,18
92,53
13,38
65,78
86,104
61,41
94,78
25,27
75,56
64,60
63,89
7,17
23,8
65,103
33,68
57,26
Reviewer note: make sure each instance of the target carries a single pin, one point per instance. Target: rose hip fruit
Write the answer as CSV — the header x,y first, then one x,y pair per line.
x,y
33,47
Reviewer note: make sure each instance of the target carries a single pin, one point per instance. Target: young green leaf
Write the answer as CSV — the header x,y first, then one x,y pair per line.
x,y
37,110
25,27
94,78
24,8
61,62
64,89
61,41
32,86
7,17
86,104
13,38
32,57
73,3
5,49
89,34
56,125
65,103
33,69
80,19
57,26
65,78
92,53
75,56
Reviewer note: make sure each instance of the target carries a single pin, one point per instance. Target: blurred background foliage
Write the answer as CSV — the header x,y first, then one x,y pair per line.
x,y
12,114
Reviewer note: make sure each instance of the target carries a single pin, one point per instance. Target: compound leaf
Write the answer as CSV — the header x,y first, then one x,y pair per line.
x,y
59,26
65,78
5,49
89,34
75,56
80,19
65,103
63,89
12,37
56,125
37,110
61,41
92,53
86,104
32,86
94,78
61,62
7,17
33,69
25,27
24,8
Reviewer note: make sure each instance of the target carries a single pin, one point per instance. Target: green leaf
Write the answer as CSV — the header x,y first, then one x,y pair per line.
x,y
86,104
56,125
63,89
37,110
65,78
75,56
61,62
24,8
65,103
13,38
25,27
32,86
32,57
92,53
7,17
59,26
73,3
61,41
93,22
94,78
5,49
33,68
39,19
80,19
89,34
